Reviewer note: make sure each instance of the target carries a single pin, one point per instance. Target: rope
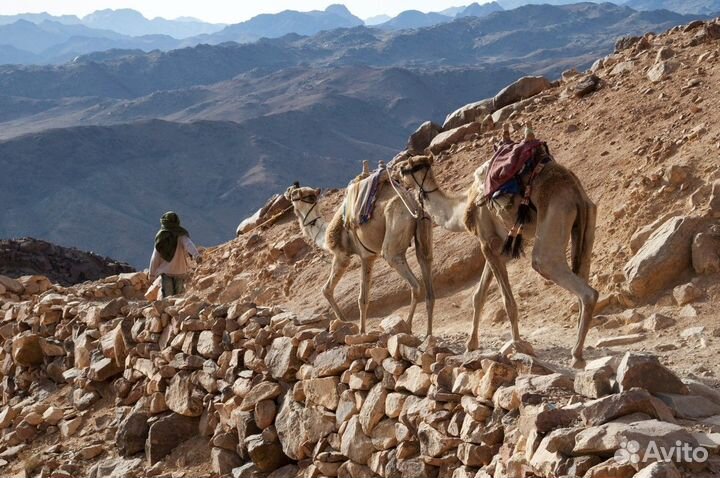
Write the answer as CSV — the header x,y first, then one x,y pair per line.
x,y
392,183
273,218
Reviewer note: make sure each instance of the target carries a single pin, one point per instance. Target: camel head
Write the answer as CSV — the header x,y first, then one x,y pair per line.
x,y
416,171
297,194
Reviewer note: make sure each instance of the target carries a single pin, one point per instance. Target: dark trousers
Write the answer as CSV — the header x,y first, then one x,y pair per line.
x,y
172,285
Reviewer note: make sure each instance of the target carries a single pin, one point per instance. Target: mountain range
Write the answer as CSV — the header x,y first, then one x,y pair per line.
x,y
40,38
95,150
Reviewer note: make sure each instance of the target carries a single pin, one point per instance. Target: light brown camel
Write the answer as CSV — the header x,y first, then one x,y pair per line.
x,y
388,234
563,212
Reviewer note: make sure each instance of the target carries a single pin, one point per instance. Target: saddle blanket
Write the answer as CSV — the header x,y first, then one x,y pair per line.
x,y
509,160
360,198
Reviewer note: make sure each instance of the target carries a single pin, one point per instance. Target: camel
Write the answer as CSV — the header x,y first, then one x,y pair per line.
x,y
388,234
562,212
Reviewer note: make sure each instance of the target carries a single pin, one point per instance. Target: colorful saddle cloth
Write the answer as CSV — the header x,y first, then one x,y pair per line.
x,y
508,161
360,198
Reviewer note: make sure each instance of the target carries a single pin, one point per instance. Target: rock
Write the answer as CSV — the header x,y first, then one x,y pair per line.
x,y
658,322
661,70
659,470
626,42
103,369
588,85
27,351
395,324
7,415
446,139
646,371
422,137
474,455
281,359
496,375
261,391
620,340
355,444
686,293
473,112
70,426
336,360
11,285
322,391
706,253
266,453
168,432
180,397
90,452
433,443
299,427
209,345
691,407
414,380
593,383
664,257
623,68
523,88
610,407
224,461
373,409
132,433
383,436
51,416
606,439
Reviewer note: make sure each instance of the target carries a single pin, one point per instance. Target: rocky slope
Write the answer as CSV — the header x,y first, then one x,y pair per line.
x,y
226,125
62,265
247,375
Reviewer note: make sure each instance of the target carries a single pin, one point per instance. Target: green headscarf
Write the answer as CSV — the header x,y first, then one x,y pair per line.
x,y
167,237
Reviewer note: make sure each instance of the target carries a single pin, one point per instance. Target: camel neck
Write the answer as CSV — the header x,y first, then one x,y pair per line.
x,y
447,211
312,224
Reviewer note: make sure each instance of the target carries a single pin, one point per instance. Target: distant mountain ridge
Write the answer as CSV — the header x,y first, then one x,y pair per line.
x,y
708,7
61,39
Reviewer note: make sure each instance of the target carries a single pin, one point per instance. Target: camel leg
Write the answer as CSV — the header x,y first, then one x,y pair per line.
x,y
423,252
550,261
399,263
364,298
496,262
339,266
479,297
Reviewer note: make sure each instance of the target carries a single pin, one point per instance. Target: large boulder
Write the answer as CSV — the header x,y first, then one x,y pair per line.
x,y
299,427
281,359
422,137
132,433
27,350
523,88
167,433
448,138
664,258
706,253
473,112
181,397
646,371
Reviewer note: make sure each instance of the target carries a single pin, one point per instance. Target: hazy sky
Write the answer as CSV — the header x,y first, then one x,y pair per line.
x,y
222,11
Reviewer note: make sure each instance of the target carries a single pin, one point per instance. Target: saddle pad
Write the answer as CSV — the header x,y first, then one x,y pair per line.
x,y
360,199
508,161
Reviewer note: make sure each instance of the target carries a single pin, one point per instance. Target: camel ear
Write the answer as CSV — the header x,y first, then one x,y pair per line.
x,y
318,191
430,160
288,193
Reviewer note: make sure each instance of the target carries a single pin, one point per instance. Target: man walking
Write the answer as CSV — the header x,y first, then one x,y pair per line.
x,y
170,256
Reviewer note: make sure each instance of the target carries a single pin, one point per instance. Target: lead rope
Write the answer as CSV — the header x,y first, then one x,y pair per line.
x,y
414,214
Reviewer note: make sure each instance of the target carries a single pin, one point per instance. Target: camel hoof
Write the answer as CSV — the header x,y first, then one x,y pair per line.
x,y
578,363
472,344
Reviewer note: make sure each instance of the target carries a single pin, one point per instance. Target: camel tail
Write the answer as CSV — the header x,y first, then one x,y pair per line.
x,y
583,237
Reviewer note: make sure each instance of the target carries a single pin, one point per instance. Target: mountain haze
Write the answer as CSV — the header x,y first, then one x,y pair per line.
x,y
113,139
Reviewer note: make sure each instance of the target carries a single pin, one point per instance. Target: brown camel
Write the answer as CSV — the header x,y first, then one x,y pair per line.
x,y
562,212
388,234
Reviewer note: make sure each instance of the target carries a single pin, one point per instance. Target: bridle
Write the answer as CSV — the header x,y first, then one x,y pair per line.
x,y
423,193
309,200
